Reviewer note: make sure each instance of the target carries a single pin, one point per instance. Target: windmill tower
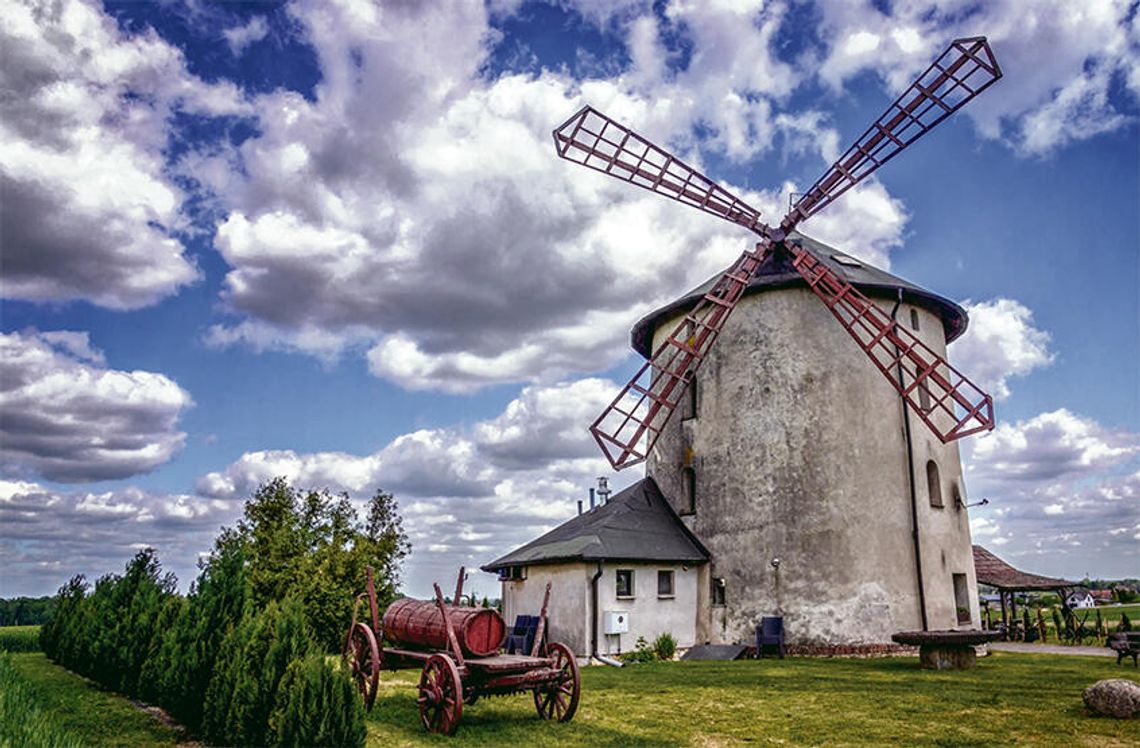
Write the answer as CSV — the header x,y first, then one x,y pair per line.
x,y
822,493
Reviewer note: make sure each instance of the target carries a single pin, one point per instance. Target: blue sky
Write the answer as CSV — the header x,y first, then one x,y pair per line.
x,y
332,241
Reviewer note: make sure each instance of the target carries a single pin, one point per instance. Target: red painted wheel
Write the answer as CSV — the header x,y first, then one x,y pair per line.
x,y
441,695
558,700
363,655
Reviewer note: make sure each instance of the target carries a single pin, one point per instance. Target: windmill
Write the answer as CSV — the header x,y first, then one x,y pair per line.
x,y
942,397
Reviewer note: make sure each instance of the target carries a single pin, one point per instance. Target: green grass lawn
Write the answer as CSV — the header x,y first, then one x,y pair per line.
x,y
77,707
1008,698
20,638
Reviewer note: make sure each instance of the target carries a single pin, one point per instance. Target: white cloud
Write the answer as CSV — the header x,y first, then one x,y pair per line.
x,y
49,536
1059,59
88,211
1060,487
240,37
467,495
1000,343
68,418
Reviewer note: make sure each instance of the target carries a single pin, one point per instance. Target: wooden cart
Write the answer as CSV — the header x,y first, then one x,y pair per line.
x,y
449,677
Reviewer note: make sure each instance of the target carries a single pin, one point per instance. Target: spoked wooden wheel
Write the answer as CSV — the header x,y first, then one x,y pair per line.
x,y
559,699
363,655
441,695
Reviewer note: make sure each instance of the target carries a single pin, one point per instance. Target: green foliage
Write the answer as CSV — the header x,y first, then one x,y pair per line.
x,y
641,652
20,638
665,646
1057,623
1125,623
253,658
22,721
317,705
276,588
311,546
26,611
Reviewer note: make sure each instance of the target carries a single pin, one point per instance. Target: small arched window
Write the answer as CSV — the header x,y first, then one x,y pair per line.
x,y
689,476
933,483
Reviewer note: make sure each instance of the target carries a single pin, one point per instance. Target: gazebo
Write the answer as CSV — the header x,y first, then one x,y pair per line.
x,y
991,570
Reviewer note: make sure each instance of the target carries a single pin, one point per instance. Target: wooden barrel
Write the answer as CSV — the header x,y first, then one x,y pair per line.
x,y
418,624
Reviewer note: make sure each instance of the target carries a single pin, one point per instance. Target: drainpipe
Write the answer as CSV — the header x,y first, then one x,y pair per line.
x,y
594,606
910,479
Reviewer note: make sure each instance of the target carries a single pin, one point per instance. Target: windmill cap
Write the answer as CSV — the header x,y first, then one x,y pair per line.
x,y
777,273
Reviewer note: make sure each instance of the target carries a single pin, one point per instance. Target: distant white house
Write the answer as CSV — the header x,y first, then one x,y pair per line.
x,y
1081,599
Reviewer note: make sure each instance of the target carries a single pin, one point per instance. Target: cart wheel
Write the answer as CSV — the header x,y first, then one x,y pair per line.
x,y
363,655
441,695
559,699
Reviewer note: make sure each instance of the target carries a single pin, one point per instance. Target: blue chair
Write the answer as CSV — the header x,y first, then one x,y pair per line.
x,y
770,633
521,638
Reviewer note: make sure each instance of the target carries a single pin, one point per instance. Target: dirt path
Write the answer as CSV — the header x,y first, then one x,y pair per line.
x,y
1055,649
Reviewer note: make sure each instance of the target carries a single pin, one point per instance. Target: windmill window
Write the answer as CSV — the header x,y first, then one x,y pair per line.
x,y
850,262
962,599
718,587
933,484
689,476
512,573
624,587
689,402
914,319
665,583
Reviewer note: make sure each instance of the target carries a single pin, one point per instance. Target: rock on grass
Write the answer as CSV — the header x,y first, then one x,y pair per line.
x,y
1115,697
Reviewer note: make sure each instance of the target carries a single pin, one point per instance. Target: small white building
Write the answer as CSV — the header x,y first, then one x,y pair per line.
x,y
1081,599
628,568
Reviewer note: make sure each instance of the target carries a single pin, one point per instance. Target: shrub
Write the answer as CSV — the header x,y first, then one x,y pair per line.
x,y
665,646
317,705
1057,624
641,652
20,638
254,656
1125,624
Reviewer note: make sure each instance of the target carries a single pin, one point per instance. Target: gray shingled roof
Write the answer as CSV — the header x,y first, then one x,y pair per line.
x,y
777,272
637,524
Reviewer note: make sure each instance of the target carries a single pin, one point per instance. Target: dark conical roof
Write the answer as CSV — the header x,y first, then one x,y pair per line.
x,y
777,272
637,524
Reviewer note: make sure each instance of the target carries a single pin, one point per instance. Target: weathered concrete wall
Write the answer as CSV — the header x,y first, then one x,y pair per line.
x,y
570,612
568,616
649,615
799,454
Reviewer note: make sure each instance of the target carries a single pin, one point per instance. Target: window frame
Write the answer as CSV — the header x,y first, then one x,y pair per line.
x,y
689,491
934,485
669,574
618,574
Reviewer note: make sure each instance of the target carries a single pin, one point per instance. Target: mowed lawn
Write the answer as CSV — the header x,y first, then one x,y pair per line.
x,y
1009,698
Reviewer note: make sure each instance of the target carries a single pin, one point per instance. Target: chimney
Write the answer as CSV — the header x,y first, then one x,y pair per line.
x,y
579,506
603,489
591,499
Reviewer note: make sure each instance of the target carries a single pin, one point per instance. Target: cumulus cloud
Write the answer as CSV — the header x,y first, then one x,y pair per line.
x,y
88,210
49,536
467,495
441,234
69,418
1000,343
1060,59
1061,486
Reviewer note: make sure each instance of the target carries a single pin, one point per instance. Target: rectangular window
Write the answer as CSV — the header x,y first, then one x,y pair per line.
x,y
962,599
665,583
718,591
689,476
512,573
625,582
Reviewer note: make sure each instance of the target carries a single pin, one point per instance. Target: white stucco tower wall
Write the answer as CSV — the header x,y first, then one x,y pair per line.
x,y
798,451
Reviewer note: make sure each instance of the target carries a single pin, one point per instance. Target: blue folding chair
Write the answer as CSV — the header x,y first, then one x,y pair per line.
x,y
521,638
770,633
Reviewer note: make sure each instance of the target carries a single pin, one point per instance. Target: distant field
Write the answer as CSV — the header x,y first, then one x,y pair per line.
x,y
20,638
1031,699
